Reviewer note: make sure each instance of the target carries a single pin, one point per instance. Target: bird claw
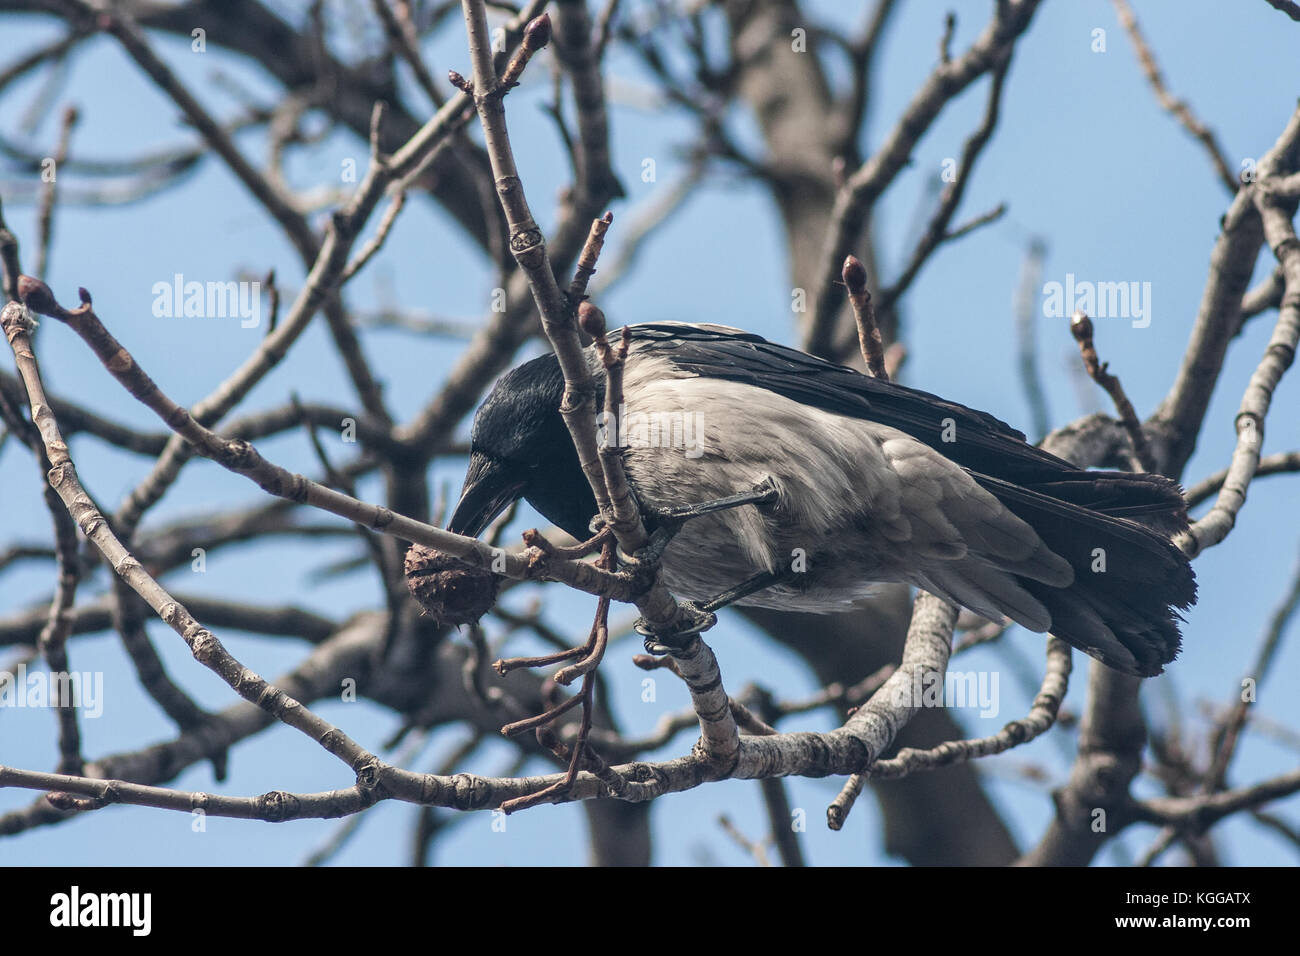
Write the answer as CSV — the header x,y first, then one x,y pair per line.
x,y
695,621
653,552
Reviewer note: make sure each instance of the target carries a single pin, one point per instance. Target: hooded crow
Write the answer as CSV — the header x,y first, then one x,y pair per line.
x,y
862,481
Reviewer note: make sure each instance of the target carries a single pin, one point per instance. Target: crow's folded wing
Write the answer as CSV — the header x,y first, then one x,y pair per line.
x,y
973,439
982,516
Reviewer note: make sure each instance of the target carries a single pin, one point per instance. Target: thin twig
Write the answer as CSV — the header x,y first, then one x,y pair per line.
x,y
1024,309
587,259
50,192
367,252
1286,462
1081,329
864,314
1174,106
402,38
754,848
1197,814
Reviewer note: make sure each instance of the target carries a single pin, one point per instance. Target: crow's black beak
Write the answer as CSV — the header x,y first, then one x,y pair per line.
x,y
489,489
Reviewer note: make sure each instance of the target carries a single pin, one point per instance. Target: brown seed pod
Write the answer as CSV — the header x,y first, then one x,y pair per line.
x,y
449,590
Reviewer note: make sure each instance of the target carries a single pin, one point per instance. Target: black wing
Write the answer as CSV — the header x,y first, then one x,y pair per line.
x,y
976,440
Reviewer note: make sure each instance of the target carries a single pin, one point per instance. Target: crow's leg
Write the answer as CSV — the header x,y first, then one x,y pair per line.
x,y
765,492
702,615
744,589
669,522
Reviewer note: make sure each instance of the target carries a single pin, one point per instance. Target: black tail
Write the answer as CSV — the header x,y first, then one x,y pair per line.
x,y
1114,528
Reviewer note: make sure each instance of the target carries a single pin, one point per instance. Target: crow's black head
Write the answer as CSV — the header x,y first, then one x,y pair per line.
x,y
520,447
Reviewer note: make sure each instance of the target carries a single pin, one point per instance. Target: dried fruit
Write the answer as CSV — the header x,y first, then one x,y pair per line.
x,y
449,590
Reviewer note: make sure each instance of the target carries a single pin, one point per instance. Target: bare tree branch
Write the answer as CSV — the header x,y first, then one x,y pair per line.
x,y
1174,106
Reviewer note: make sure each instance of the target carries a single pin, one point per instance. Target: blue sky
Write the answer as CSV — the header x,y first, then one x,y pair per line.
x,y
1084,158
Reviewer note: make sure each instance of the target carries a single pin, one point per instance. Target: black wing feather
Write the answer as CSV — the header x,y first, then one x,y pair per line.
x,y
977,440
983,442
